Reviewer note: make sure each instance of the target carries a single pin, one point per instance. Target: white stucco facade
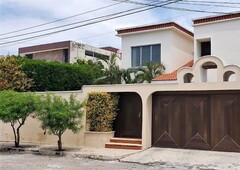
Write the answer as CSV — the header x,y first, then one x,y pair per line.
x,y
78,51
224,36
176,46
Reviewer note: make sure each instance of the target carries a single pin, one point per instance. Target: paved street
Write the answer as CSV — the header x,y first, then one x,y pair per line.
x,y
152,159
36,162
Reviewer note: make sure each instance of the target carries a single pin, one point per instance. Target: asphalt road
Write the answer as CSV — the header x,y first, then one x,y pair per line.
x,y
36,162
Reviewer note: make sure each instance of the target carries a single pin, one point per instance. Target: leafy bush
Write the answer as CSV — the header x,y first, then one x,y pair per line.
x,y
54,76
11,75
101,110
96,67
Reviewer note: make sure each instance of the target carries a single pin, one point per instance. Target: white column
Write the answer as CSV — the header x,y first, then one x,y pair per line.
x,y
146,121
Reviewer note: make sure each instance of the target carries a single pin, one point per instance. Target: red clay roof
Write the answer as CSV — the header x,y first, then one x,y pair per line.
x,y
216,18
172,76
152,27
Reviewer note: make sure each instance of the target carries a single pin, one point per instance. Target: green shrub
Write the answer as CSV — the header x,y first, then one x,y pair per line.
x,y
54,76
96,67
11,75
101,110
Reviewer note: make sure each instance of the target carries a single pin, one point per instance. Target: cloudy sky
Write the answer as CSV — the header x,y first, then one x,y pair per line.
x,y
20,14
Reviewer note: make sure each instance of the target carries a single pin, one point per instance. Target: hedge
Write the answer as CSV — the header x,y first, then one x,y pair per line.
x,y
54,76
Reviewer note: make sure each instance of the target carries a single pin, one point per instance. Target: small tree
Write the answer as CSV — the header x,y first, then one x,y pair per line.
x,y
101,108
57,115
11,75
112,73
129,76
15,108
148,72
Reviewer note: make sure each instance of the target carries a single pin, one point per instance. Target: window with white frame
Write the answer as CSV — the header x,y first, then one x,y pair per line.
x,y
141,55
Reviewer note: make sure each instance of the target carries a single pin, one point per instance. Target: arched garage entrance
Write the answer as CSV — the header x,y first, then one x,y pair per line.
x,y
208,120
128,123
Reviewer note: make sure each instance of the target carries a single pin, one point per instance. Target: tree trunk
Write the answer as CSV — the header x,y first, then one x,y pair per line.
x,y
17,142
60,142
15,136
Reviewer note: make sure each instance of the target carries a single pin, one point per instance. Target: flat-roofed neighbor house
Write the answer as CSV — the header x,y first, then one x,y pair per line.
x,y
65,52
166,43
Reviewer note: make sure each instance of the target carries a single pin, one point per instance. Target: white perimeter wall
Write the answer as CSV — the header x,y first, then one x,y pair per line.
x,y
32,133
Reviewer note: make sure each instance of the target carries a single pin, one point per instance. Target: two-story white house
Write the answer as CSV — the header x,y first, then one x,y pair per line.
x,y
175,47
160,43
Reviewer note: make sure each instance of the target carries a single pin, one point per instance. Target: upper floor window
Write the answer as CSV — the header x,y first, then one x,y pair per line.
x,y
30,56
205,48
141,55
65,54
97,55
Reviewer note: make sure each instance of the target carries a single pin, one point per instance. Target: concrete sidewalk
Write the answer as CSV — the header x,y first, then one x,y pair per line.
x,y
186,159
92,153
74,152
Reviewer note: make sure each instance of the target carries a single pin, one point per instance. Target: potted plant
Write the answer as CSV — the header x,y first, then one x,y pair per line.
x,y
101,111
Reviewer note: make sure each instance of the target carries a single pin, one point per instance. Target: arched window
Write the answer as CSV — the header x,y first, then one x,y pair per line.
x,y
188,78
229,76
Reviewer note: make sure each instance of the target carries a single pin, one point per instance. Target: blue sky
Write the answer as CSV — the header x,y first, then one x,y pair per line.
x,y
18,14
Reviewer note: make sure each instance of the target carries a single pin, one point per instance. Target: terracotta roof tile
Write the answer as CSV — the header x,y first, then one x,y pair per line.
x,y
153,27
172,76
216,18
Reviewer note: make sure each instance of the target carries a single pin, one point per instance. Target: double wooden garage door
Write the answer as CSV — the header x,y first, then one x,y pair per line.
x,y
197,120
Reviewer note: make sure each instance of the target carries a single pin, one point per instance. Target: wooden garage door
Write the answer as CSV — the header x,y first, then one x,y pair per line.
x,y
197,120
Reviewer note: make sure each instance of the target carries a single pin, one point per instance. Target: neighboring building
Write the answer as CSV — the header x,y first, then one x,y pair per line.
x,y
112,49
65,51
167,43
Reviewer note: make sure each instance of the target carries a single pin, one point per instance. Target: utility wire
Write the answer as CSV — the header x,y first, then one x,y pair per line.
x,y
62,19
198,1
213,5
173,8
94,22
74,23
214,2
194,10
